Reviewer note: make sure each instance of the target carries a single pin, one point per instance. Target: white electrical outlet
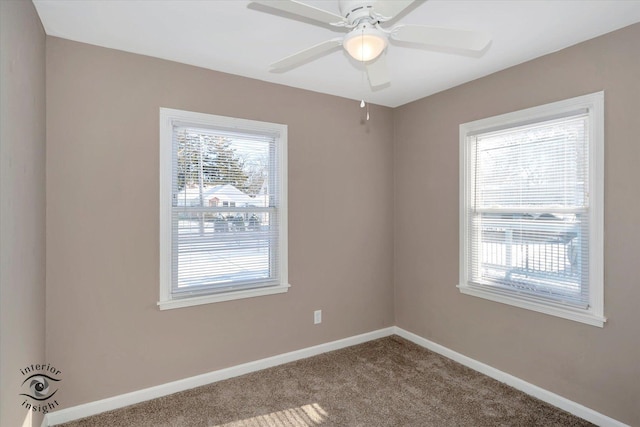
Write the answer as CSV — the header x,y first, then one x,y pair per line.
x,y
317,317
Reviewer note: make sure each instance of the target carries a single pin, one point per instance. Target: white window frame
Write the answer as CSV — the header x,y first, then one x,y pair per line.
x,y
594,105
169,118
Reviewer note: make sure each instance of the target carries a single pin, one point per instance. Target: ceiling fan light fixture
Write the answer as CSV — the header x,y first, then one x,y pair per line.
x,y
365,44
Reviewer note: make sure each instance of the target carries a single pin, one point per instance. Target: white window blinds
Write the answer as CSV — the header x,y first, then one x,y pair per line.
x,y
531,208
225,211
225,220
529,223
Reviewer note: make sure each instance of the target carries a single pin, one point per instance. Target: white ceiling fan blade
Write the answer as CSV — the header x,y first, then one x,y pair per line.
x,y
390,8
306,55
445,37
378,72
304,10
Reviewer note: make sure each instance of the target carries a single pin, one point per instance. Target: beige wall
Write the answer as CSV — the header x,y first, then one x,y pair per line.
x,y
104,329
599,368
22,211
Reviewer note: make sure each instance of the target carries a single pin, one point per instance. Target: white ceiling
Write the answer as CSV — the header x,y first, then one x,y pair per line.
x,y
236,37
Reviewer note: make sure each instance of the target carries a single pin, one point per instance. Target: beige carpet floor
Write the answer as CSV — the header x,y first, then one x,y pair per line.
x,y
387,382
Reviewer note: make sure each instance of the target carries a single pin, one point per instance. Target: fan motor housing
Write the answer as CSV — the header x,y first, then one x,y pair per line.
x,y
355,10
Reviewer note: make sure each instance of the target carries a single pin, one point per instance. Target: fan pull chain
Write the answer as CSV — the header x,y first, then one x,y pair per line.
x,y
365,104
362,82
362,103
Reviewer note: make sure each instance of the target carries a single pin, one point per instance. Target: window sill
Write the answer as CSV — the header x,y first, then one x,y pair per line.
x,y
225,296
577,315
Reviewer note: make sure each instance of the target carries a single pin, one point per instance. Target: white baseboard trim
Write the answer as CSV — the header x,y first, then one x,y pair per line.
x,y
515,382
111,403
116,402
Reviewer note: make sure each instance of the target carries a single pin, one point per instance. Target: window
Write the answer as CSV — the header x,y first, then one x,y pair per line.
x,y
531,208
212,251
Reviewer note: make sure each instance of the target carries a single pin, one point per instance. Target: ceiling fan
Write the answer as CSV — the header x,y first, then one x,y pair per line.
x,y
367,39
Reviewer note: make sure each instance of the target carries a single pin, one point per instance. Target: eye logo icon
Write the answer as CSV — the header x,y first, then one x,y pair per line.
x,y
39,387
39,384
